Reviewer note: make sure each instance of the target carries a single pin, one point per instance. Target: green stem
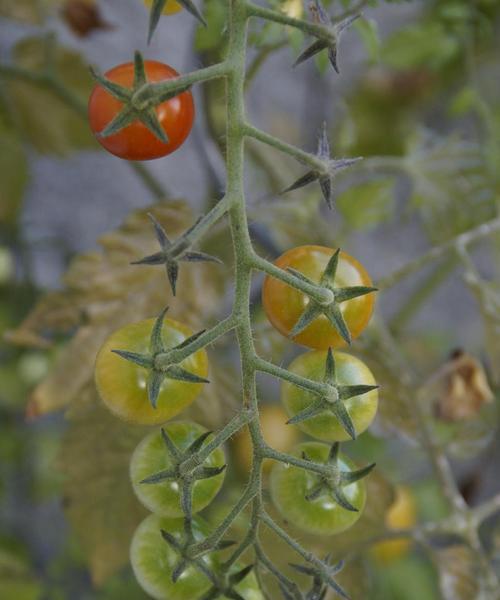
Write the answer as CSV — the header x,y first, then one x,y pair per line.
x,y
269,14
321,295
266,138
158,92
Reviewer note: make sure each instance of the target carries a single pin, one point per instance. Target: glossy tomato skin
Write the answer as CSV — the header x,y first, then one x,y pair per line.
x,y
153,562
151,456
284,304
122,384
136,142
322,516
349,371
171,7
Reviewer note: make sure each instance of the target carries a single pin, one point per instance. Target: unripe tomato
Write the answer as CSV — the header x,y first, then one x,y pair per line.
x,y
323,516
122,384
349,371
153,562
284,304
171,7
135,141
276,432
151,457
402,514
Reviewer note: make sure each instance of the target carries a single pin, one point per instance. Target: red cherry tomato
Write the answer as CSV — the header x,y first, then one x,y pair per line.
x,y
136,142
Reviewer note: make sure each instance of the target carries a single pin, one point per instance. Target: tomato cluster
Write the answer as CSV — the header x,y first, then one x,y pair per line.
x,y
149,372
345,402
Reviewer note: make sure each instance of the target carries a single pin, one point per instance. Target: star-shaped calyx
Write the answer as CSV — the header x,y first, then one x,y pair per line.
x,y
329,43
331,310
332,400
171,361
135,107
322,579
335,480
323,176
178,457
157,7
172,253
182,547
226,588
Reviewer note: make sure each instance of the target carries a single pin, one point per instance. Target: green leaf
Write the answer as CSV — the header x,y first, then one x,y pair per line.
x,y
367,205
47,122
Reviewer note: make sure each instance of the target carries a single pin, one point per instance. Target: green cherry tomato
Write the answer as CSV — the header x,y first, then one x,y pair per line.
x,y
122,384
153,561
151,456
322,516
284,305
349,371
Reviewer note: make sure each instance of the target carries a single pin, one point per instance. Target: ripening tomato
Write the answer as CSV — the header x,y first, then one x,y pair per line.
x,y
122,384
276,432
153,561
171,7
284,304
349,370
402,514
322,516
135,141
151,457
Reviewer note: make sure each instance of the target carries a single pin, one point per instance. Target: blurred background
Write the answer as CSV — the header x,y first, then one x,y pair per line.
x,y
418,97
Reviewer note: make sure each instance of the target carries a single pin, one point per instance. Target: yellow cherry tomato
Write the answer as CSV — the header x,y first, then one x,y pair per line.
x,y
171,6
402,514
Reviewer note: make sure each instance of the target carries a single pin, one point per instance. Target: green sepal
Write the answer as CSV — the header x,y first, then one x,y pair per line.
x,y
240,575
350,391
140,78
209,472
340,411
166,475
149,118
125,117
316,47
330,368
182,565
154,383
353,476
154,16
191,8
119,92
169,445
190,339
180,374
331,268
311,312
348,293
173,252
198,443
143,360
156,340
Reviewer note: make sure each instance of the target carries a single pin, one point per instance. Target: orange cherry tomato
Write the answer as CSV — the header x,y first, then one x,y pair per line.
x,y
284,304
135,141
